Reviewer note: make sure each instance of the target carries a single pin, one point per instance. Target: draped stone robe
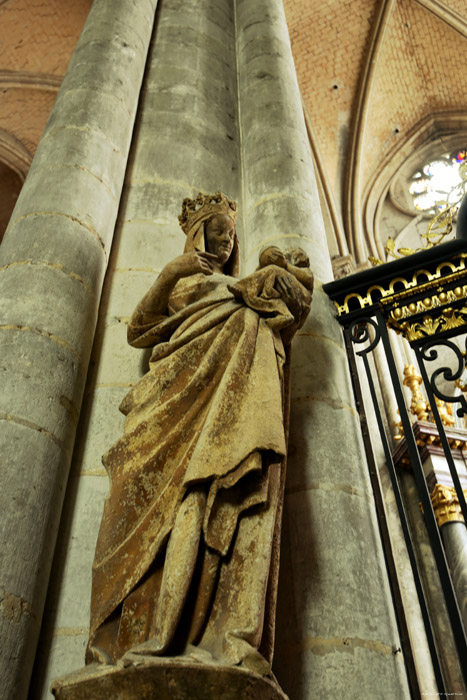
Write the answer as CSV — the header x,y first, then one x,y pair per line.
x,y
187,553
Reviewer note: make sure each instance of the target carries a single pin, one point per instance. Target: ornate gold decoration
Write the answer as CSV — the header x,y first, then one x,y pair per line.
x,y
445,413
439,226
419,407
429,442
447,272
446,505
451,318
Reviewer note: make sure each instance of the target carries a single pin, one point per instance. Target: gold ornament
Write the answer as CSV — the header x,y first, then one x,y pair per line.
x,y
419,406
446,505
439,226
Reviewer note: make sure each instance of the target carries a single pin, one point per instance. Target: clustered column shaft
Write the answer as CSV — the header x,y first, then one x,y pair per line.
x,y
333,593
52,263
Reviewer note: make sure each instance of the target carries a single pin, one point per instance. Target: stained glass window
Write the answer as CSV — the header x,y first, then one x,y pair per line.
x,y
434,185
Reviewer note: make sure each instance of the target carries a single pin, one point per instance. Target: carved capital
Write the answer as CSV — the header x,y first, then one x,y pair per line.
x,y
342,265
446,505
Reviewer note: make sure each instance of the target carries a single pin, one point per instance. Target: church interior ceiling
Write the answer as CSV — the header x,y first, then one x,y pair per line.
x,y
379,79
373,76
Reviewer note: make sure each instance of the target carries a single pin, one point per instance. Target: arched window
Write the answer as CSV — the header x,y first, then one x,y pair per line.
x,y
438,182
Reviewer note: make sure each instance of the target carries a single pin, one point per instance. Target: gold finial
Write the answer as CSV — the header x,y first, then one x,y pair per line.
x,y
398,424
418,406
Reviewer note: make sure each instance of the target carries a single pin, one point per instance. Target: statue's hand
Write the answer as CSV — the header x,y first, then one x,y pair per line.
x,y
290,295
272,256
191,264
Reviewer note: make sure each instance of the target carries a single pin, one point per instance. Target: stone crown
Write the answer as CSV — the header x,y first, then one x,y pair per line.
x,y
203,207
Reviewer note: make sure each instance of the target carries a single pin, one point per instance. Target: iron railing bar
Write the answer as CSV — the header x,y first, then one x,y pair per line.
x,y
430,520
385,536
406,532
442,434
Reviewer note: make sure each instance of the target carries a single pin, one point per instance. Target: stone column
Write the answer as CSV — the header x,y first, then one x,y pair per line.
x,y
336,635
454,536
185,140
446,646
52,263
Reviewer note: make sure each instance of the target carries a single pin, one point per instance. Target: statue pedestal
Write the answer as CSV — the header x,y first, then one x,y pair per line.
x,y
166,679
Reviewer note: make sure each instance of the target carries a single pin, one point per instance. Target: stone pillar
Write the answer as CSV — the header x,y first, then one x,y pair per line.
x,y
446,646
336,635
454,536
52,263
185,139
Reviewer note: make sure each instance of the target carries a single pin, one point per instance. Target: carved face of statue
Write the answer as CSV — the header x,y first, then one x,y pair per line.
x,y
219,237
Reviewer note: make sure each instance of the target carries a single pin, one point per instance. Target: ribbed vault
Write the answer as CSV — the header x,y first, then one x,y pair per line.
x,y
372,76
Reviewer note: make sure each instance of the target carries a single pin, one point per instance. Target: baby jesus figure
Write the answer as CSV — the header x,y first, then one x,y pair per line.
x,y
263,290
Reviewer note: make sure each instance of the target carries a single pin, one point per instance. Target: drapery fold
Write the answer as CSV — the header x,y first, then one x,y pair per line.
x,y
199,463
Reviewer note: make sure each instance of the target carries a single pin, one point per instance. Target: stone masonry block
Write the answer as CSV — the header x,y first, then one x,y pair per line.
x,y
248,15
122,12
113,361
94,153
59,241
320,371
58,654
213,18
30,491
144,245
259,89
64,310
172,93
334,543
210,52
76,193
152,200
277,171
167,112
123,292
44,386
219,11
334,670
97,110
322,320
100,426
114,60
203,164
314,459
69,596
17,621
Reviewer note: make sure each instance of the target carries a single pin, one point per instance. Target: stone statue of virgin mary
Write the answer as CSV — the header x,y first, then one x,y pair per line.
x,y
187,555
